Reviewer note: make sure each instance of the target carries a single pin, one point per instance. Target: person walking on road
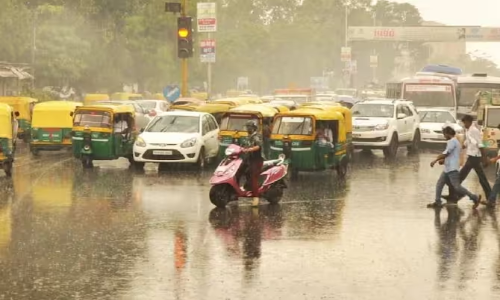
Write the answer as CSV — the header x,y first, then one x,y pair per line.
x,y
451,157
476,158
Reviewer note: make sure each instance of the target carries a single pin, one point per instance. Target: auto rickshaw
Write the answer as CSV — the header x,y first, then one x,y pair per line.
x,y
200,96
89,99
24,106
186,104
300,135
238,101
52,126
126,96
96,136
346,112
320,103
7,136
232,127
215,109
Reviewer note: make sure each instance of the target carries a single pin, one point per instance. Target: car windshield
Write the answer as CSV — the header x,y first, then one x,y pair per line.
x,y
172,123
436,117
236,123
372,110
149,105
92,119
468,91
493,118
430,95
293,125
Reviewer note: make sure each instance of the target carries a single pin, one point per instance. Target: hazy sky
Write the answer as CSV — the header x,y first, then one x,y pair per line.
x,y
484,13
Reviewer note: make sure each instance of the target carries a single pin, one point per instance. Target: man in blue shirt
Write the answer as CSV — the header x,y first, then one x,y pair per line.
x,y
451,157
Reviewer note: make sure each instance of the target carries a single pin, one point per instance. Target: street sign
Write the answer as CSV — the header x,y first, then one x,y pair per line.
x,y
425,34
373,61
319,83
207,17
345,54
171,93
207,51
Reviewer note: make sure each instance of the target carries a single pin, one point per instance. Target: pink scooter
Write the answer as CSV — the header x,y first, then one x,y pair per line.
x,y
225,181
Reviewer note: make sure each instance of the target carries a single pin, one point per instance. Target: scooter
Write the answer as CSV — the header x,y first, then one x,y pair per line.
x,y
225,181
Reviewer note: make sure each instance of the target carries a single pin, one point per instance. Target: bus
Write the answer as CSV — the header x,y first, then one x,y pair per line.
x,y
426,90
470,85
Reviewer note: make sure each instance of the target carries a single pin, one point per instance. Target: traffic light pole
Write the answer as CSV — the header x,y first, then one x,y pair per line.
x,y
184,61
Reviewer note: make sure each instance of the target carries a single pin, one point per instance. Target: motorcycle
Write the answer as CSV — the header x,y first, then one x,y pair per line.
x,y
225,180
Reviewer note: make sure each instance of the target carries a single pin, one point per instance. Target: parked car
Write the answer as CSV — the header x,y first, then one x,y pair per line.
x,y
154,106
178,137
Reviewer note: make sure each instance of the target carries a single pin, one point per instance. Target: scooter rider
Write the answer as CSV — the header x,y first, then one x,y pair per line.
x,y
255,160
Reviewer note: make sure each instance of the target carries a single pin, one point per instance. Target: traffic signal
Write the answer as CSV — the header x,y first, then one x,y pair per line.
x,y
184,37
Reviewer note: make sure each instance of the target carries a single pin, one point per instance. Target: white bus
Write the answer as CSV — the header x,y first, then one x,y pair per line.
x,y
470,85
426,90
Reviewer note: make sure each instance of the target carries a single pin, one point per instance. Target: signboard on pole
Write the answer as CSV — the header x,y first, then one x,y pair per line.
x,y
424,34
207,20
207,51
345,54
373,61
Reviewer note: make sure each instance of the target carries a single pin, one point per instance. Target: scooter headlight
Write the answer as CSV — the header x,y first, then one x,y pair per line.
x,y
229,152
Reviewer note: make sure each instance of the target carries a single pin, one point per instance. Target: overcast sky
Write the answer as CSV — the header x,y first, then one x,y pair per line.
x,y
484,13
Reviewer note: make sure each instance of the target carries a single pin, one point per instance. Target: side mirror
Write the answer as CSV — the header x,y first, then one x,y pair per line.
x,y
141,130
16,114
71,114
401,116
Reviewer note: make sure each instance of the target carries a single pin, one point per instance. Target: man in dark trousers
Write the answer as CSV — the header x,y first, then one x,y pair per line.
x,y
255,160
476,158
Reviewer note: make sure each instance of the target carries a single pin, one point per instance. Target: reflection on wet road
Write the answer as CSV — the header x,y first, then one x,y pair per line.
x,y
113,234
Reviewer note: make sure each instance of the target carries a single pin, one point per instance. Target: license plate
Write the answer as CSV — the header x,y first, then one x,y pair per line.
x,y
158,152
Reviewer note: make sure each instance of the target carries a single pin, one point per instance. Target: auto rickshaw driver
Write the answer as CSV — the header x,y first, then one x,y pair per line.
x,y
120,126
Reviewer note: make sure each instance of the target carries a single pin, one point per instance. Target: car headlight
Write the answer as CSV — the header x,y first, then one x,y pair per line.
x,y
189,143
382,126
139,142
422,130
229,152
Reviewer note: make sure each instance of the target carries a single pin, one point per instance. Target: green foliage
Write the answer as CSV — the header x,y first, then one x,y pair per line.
x,y
103,44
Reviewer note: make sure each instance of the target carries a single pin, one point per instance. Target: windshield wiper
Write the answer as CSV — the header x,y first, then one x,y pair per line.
x,y
300,126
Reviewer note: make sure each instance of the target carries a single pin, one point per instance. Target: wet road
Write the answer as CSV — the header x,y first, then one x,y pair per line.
x,y
113,234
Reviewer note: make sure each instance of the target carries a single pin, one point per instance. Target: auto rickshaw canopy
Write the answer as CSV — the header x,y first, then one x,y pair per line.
x,y
213,108
237,101
126,96
187,101
109,107
265,110
6,121
56,114
318,113
20,104
89,98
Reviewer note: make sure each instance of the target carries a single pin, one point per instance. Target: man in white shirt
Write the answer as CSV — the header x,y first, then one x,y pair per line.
x,y
120,126
475,156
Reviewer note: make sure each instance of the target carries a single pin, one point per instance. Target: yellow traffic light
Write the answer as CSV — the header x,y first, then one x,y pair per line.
x,y
183,32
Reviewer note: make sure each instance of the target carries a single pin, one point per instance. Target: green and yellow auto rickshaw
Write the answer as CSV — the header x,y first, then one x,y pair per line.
x,y
215,109
7,138
52,125
313,138
103,132
346,112
232,127
24,106
126,96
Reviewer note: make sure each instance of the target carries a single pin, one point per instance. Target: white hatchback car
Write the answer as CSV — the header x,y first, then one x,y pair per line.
x,y
178,137
154,107
432,121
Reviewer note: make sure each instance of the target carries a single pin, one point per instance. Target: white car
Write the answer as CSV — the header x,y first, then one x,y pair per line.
x,y
154,107
178,137
385,124
432,122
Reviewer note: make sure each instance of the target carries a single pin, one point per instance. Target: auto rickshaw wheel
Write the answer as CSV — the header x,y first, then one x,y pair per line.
x,y
7,167
87,162
342,168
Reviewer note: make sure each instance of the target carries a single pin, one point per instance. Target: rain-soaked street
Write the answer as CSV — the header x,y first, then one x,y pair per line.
x,y
110,233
